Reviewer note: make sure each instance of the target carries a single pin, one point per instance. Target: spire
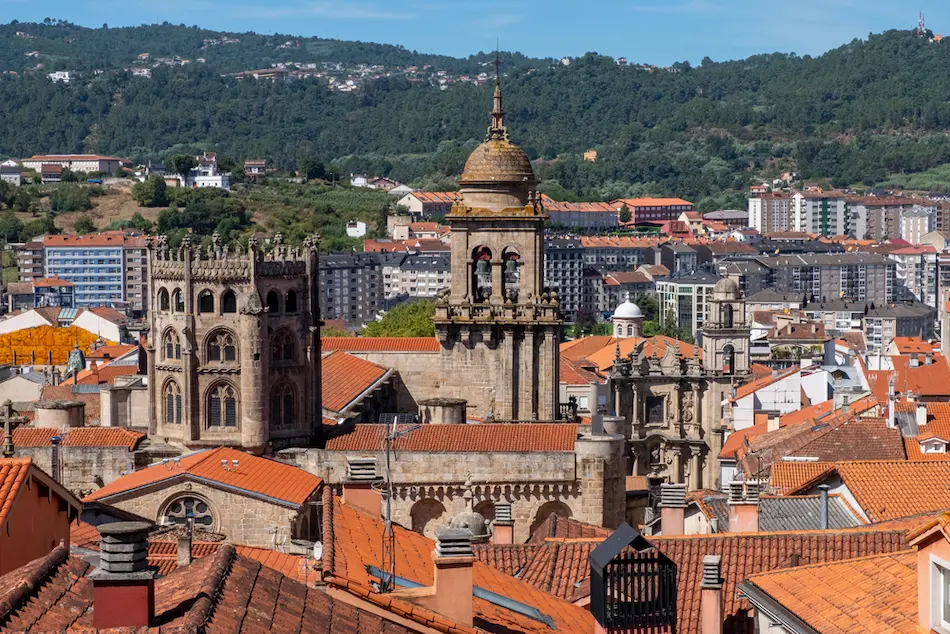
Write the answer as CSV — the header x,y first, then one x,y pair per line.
x,y
497,130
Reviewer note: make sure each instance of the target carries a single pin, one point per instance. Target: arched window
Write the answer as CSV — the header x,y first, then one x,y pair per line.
x,y
228,302
222,406
221,347
172,403
282,405
205,302
629,330
282,346
290,303
178,301
189,507
273,302
511,273
481,274
163,303
726,316
171,345
728,359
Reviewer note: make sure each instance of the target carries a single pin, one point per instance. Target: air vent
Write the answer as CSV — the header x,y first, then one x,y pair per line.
x,y
453,542
361,469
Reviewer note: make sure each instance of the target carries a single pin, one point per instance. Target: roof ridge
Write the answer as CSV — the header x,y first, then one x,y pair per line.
x,y
849,560
328,503
829,532
203,608
34,577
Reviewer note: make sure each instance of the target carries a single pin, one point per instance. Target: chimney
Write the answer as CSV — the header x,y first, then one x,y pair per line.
x,y
711,596
123,586
451,593
54,456
503,528
672,509
929,358
358,487
921,411
823,506
743,507
914,360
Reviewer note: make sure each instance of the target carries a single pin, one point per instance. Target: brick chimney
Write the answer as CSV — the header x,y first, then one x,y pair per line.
x,y
503,528
358,488
743,507
672,509
711,596
451,593
123,586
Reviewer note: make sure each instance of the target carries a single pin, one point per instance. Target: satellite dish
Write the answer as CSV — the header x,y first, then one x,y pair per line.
x,y
318,550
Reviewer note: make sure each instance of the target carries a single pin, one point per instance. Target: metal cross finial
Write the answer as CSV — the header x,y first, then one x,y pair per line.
x,y
8,449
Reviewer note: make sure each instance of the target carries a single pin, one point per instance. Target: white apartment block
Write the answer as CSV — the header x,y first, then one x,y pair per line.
x,y
824,213
916,223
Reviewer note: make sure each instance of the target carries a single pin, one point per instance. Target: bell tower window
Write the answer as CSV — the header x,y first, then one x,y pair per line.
x,y
481,274
511,274
728,359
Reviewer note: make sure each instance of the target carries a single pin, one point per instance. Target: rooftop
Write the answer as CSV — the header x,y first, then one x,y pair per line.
x,y
479,437
345,378
381,344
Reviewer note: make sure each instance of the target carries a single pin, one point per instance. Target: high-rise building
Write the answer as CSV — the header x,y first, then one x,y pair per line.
x,y
351,287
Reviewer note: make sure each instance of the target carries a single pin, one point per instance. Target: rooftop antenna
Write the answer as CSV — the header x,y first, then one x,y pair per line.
x,y
388,583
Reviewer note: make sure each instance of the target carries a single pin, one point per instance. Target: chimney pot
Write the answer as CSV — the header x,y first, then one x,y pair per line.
x,y
358,487
123,587
711,572
711,595
823,506
673,509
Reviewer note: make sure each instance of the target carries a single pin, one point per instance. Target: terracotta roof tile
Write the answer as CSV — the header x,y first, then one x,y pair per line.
x,y
509,558
345,378
938,426
789,476
758,370
566,527
13,473
380,344
604,358
765,381
462,438
584,346
578,372
925,380
254,474
78,437
876,594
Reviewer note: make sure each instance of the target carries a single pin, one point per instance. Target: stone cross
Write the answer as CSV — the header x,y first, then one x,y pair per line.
x,y
9,418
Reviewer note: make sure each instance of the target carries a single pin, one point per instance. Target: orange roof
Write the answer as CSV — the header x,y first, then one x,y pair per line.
x,y
758,370
812,413
13,473
437,197
633,203
381,344
925,380
581,207
791,475
71,157
77,437
581,348
875,594
905,345
103,239
737,439
604,358
758,384
345,378
938,426
480,437
113,351
618,242
105,373
353,540
51,281
577,373
281,482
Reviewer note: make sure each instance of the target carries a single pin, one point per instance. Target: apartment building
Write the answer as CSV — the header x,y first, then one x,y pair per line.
x,y
916,273
769,213
29,260
906,318
563,272
824,213
86,163
652,209
682,299
351,287
881,217
428,204
854,276
617,253
414,275
582,216
916,223
732,218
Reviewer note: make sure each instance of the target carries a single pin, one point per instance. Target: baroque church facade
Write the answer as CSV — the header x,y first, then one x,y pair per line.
x,y
669,394
234,344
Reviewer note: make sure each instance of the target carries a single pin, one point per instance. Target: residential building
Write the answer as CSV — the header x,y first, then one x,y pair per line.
x,y
351,288
652,209
732,218
853,276
679,258
881,217
623,286
428,204
255,169
41,292
905,318
683,299
563,272
207,175
87,163
838,316
11,174
416,275
823,212
617,253
716,251
916,223
916,273
769,213
751,275
695,221
51,172
942,216
582,216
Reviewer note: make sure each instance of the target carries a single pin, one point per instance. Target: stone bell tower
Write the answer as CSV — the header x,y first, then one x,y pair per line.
x,y
497,324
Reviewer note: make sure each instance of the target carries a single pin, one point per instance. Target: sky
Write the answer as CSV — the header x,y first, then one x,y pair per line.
x,y
643,31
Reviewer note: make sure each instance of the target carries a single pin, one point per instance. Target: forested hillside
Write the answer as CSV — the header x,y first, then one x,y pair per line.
x,y
855,115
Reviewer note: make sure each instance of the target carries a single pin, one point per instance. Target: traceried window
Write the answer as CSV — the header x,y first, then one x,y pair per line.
x,y
282,405
189,507
282,346
172,345
222,406
221,347
172,403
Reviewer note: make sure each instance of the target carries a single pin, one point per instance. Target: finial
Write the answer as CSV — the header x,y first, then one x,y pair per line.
x,y
9,450
497,130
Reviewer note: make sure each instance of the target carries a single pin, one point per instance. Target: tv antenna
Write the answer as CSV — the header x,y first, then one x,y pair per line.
x,y
388,582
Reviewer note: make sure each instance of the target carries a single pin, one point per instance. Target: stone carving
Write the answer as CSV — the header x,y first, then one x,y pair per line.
x,y
254,305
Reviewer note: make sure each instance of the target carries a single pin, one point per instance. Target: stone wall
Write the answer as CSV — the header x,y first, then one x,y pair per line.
x,y
82,469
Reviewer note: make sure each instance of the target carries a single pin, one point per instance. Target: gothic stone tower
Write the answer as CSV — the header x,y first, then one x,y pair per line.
x,y
234,344
498,326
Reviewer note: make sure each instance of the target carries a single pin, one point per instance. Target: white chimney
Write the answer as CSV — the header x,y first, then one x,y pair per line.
x,y
921,414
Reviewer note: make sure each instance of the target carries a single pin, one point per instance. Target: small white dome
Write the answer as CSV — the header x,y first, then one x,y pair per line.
x,y
628,310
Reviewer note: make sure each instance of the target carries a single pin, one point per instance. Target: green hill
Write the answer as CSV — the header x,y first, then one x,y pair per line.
x,y
858,114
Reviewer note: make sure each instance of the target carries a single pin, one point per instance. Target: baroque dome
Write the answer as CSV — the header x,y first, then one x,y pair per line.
x,y
628,310
727,286
497,160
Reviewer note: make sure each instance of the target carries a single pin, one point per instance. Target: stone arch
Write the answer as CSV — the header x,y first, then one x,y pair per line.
x,y
290,302
283,346
171,402
726,315
220,346
427,515
553,507
283,405
206,301
511,272
178,301
185,505
171,345
728,359
222,406
486,508
273,302
228,302
481,273
164,304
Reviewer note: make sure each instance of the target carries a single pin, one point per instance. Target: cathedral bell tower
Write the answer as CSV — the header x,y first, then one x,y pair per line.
x,y
498,325
726,331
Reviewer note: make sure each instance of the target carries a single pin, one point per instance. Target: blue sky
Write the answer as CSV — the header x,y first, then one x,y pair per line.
x,y
651,31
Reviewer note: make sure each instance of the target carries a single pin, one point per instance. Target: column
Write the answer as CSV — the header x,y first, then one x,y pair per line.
x,y
506,393
696,409
677,410
677,467
529,380
696,468
497,285
152,403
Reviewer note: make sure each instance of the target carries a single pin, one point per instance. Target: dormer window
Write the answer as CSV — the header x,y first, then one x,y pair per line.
x,y
933,445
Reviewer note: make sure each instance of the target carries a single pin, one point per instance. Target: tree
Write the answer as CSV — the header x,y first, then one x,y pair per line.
x,y
311,167
411,319
381,221
182,164
22,200
10,227
150,192
330,331
624,214
70,197
39,227
84,224
141,223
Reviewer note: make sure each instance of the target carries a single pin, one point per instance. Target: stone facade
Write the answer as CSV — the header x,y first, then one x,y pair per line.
x,y
671,403
234,345
246,520
84,469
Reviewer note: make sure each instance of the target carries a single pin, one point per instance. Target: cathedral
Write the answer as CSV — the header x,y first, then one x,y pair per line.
x,y
234,344
670,393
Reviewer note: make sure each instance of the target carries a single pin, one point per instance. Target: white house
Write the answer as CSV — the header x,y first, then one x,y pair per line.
x,y
208,176
779,394
356,229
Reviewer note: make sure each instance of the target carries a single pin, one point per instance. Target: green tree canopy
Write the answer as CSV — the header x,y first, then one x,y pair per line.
x,y
182,163
411,319
70,197
150,192
84,224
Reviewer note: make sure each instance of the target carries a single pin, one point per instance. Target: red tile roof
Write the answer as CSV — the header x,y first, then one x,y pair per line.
x,y
633,203
255,475
509,558
905,345
584,346
113,351
938,426
78,437
578,373
604,358
756,385
13,473
477,437
64,392
789,476
925,380
102,239
566,528
381,344
345,378
51,281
